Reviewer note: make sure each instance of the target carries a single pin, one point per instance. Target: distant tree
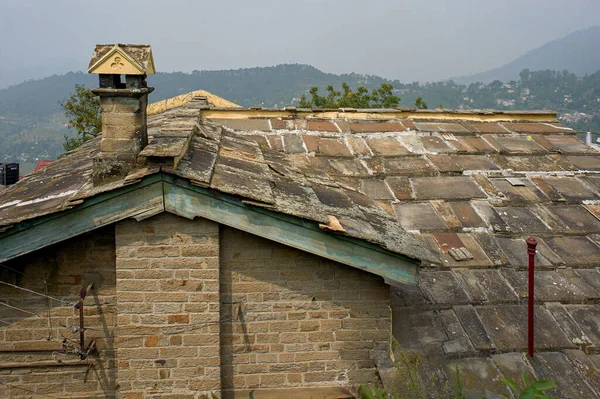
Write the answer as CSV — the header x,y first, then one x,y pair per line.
x,y
382,97
83,113
420,104
524,75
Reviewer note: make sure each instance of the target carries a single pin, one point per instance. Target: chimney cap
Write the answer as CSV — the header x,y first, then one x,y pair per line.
x,y
122,59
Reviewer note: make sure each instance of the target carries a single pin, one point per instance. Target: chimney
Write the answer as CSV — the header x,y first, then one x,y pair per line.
x,y
123,93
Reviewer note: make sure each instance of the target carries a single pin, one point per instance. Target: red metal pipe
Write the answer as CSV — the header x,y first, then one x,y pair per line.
x,y
531,244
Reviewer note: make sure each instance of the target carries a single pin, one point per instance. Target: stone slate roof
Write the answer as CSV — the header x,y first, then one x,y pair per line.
x,y
459,191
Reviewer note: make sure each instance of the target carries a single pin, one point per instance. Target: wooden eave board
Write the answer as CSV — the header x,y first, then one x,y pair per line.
x,y
184,199
140,200
161,192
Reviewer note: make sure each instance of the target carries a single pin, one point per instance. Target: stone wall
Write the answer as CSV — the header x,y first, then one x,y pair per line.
x,y
186,309
31,345
168,305
293,319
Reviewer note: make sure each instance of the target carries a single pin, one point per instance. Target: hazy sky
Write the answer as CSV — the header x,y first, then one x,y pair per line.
x,y
407,40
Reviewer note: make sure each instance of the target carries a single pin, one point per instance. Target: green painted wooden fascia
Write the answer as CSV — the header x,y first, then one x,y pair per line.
x,y
143,198
163,192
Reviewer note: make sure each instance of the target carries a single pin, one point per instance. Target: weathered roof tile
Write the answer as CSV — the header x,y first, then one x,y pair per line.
x,y
452,127
556,366
467,216
386,146
374,127
454,187
469,319
419,216
476,144
443,288
407,166
400,186
507,327
334,147
487,286
435,144
521,220
578,250
516,144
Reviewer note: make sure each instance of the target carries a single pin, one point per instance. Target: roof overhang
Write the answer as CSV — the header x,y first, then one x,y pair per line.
x,y
162,192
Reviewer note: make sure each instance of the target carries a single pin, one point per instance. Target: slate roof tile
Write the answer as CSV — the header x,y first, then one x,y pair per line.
x,y
578,250
434,144
587,318
522,220
536,128
466,215
476,144
454,187
569,144
452,127
485,127
526,163
334,148
487,286
586,368
406,166
400,186
571,188
550,286
471,323
556,366
419,216
584,162
512,365
516,144
443,287
473,370
375,127
528,193
386,146
506,326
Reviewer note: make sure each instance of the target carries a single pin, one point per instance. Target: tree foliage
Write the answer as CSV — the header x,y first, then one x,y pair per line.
x,y
381,97
420,103
83,113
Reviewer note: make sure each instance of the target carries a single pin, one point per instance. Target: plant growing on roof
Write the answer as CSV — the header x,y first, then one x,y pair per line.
x,y
532,388
382,97
83,113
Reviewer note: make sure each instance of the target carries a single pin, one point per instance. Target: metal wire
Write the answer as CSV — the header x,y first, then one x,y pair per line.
x,y
11,269
66,303
29,390
19,309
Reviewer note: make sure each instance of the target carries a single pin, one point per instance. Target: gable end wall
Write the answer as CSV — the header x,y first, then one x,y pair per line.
x,y
189,308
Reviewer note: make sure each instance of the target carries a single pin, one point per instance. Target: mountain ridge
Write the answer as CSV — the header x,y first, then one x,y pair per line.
x,y
579,54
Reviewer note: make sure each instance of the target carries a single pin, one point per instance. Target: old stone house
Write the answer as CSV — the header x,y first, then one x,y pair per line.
x,y
221,250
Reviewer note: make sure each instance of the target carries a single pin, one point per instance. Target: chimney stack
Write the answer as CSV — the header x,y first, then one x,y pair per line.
x,y
123,97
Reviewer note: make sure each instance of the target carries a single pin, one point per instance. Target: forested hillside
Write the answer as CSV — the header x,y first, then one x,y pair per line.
x,y
32,125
